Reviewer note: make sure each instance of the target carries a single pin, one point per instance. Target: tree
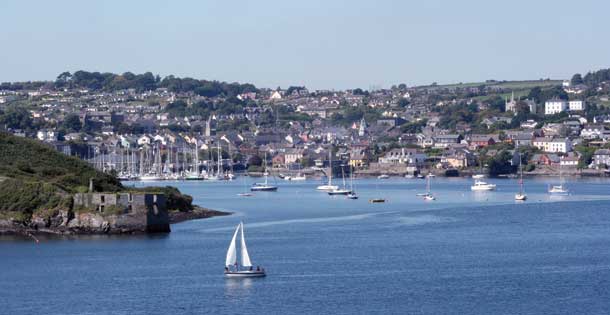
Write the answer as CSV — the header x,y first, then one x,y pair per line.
x,y
16,118
72,123
576,79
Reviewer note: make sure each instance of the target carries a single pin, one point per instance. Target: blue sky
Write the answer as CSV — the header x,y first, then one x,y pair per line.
x,y
320,44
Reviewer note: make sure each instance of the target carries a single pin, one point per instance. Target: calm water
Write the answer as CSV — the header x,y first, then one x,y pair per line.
x,y
466,253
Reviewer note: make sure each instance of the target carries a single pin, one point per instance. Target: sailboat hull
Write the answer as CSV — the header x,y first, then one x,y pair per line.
x,y
263,188
244,274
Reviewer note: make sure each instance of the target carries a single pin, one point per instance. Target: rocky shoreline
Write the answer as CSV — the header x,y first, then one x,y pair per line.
x,y
67,223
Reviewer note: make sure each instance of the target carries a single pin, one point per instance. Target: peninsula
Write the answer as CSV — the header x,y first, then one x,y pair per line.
x,y
44,191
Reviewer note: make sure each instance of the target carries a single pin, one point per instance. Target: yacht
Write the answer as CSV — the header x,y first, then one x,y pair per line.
x,y
482,186
264,186
352,194
340,191
520,196
232,269
428,195
329,186
560,189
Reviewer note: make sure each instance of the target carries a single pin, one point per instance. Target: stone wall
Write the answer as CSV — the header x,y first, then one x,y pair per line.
x,y
131,211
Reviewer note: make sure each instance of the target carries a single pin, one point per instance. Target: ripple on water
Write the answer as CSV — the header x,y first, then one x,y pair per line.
x,y
425,219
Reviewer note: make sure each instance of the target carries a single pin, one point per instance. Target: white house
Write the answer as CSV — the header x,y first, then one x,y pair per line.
x,y
46,135
576,105
592,131
403,156
276,95
555,106
563,145
144,140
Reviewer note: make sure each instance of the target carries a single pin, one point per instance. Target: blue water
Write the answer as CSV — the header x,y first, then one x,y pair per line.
x,y
466,253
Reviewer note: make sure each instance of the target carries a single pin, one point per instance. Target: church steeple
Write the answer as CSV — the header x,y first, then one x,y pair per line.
x,y
362,128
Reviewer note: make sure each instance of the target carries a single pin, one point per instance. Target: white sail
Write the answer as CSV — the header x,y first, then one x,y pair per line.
x,y
232,251
245,258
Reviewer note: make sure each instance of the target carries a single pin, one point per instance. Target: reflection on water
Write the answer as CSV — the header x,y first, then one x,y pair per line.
x,y
239,288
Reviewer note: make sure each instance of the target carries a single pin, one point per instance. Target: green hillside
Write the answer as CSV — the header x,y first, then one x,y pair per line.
x,y
35,177
31,161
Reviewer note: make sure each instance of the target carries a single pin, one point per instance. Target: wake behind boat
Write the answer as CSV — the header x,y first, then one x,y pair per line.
x,y
231,264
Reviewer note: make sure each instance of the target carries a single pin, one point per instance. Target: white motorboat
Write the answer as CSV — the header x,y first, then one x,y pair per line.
x,y
150,177
298,177
478,176
482,186
232,269
383,176
558,190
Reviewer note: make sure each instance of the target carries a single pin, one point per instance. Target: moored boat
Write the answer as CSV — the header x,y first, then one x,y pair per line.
x,y
482,186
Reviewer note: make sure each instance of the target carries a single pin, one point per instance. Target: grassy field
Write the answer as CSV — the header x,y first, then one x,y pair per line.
x,y
516,85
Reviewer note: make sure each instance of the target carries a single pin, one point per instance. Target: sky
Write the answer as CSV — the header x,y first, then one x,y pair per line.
x,y
318,44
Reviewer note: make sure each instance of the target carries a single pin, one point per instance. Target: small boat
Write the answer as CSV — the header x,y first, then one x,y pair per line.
x,y
299,177
420,176
150,177
560,189
340,191
377,200
327,187
409,176
264,186
428,195
482,186
352,194
231,264
478,176
245,194
520,196
383,176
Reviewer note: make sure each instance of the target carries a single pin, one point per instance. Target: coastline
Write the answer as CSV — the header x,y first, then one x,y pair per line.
x,y
11,228
197,213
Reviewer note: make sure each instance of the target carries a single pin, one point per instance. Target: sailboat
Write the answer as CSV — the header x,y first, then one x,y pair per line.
x,y
245,193
264,186
428,195
352,193
521,196
231,263
329,186
340,191
560,189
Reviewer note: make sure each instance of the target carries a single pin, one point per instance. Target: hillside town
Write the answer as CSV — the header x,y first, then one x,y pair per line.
x,y
144,127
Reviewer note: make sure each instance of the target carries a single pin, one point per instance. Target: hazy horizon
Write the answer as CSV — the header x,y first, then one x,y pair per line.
x,y
321,45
